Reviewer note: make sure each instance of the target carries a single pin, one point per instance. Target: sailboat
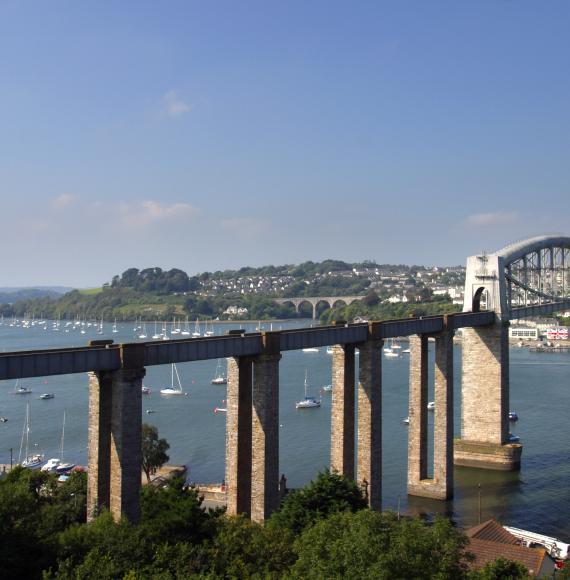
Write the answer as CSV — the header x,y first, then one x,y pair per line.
x,y
36,459
186,331
21,390
197,332
115,330
175,328
209,328
389,350
219,377
308,402
63,467
156,335
175,388
143,332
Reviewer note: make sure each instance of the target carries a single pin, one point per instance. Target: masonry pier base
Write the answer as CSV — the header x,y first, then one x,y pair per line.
x,y
488,455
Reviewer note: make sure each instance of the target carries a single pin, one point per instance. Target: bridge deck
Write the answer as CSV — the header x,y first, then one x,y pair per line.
x,y
106,357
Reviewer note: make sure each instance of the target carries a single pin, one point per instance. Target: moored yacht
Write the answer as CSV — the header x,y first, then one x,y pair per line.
x,y
308,402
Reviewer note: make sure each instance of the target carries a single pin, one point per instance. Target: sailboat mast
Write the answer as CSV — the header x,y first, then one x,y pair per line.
x,y
62,437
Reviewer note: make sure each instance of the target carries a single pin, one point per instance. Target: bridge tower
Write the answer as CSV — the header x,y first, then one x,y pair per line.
x,y
485,368
528,278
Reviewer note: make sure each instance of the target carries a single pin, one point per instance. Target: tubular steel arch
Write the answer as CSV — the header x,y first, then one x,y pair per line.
x,y
537,274
527,278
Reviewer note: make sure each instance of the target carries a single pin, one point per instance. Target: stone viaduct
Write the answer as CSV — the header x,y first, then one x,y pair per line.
x,y
524,279
314,301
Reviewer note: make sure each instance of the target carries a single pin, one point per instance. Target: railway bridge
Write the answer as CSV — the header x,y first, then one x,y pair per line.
x,y
524,279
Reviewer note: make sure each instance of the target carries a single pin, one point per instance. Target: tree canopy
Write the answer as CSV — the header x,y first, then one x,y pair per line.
x,y
153,450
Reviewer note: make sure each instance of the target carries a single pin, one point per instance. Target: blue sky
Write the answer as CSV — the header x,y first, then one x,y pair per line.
x,y
218,134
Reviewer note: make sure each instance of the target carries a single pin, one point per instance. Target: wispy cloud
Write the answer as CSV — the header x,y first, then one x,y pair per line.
x,y
63,200
246,227
145,213
483,220
173,105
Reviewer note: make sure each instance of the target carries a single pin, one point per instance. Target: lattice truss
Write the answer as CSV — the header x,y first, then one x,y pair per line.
x,y
539,277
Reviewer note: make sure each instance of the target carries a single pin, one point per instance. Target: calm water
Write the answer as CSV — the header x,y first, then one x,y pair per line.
x,y
537,498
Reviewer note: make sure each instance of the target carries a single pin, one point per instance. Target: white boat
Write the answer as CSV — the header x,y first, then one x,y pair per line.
x,y
175,385
393,350
156,335
209,328
308,402
390,353
51,465
219,378
33,461
63,467
406,351
115,330
327,388
431,406
197,332
45,396
406,420
143,332
186,331
311,349
556,548
145,390
329,349
220,410
30,461
513,416
18,390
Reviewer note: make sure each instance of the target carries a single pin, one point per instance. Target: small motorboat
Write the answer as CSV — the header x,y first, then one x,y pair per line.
x,y
406,420
149,411
145,390
513,438
64,468
45,396
51,465
431,406
513,416
33,461
3,420
220,410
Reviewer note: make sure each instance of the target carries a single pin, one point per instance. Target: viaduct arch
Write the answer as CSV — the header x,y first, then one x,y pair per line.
x,y
314,301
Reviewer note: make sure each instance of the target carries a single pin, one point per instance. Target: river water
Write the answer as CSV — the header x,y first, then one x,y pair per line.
x,y
536,498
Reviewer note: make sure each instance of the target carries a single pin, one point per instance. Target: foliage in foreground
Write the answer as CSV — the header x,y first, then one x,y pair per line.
x,y
321,531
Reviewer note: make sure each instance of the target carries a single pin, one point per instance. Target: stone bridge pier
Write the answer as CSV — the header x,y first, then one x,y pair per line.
x,y
368,431
485,401
252,432
440,485
115,424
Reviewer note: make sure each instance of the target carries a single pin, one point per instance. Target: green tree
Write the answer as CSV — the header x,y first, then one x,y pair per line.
x,y
327,494
369,545
501,569
153,450
245,549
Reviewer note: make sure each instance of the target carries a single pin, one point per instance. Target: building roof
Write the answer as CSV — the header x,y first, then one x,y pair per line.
x,y
493,531
486,551
489,541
